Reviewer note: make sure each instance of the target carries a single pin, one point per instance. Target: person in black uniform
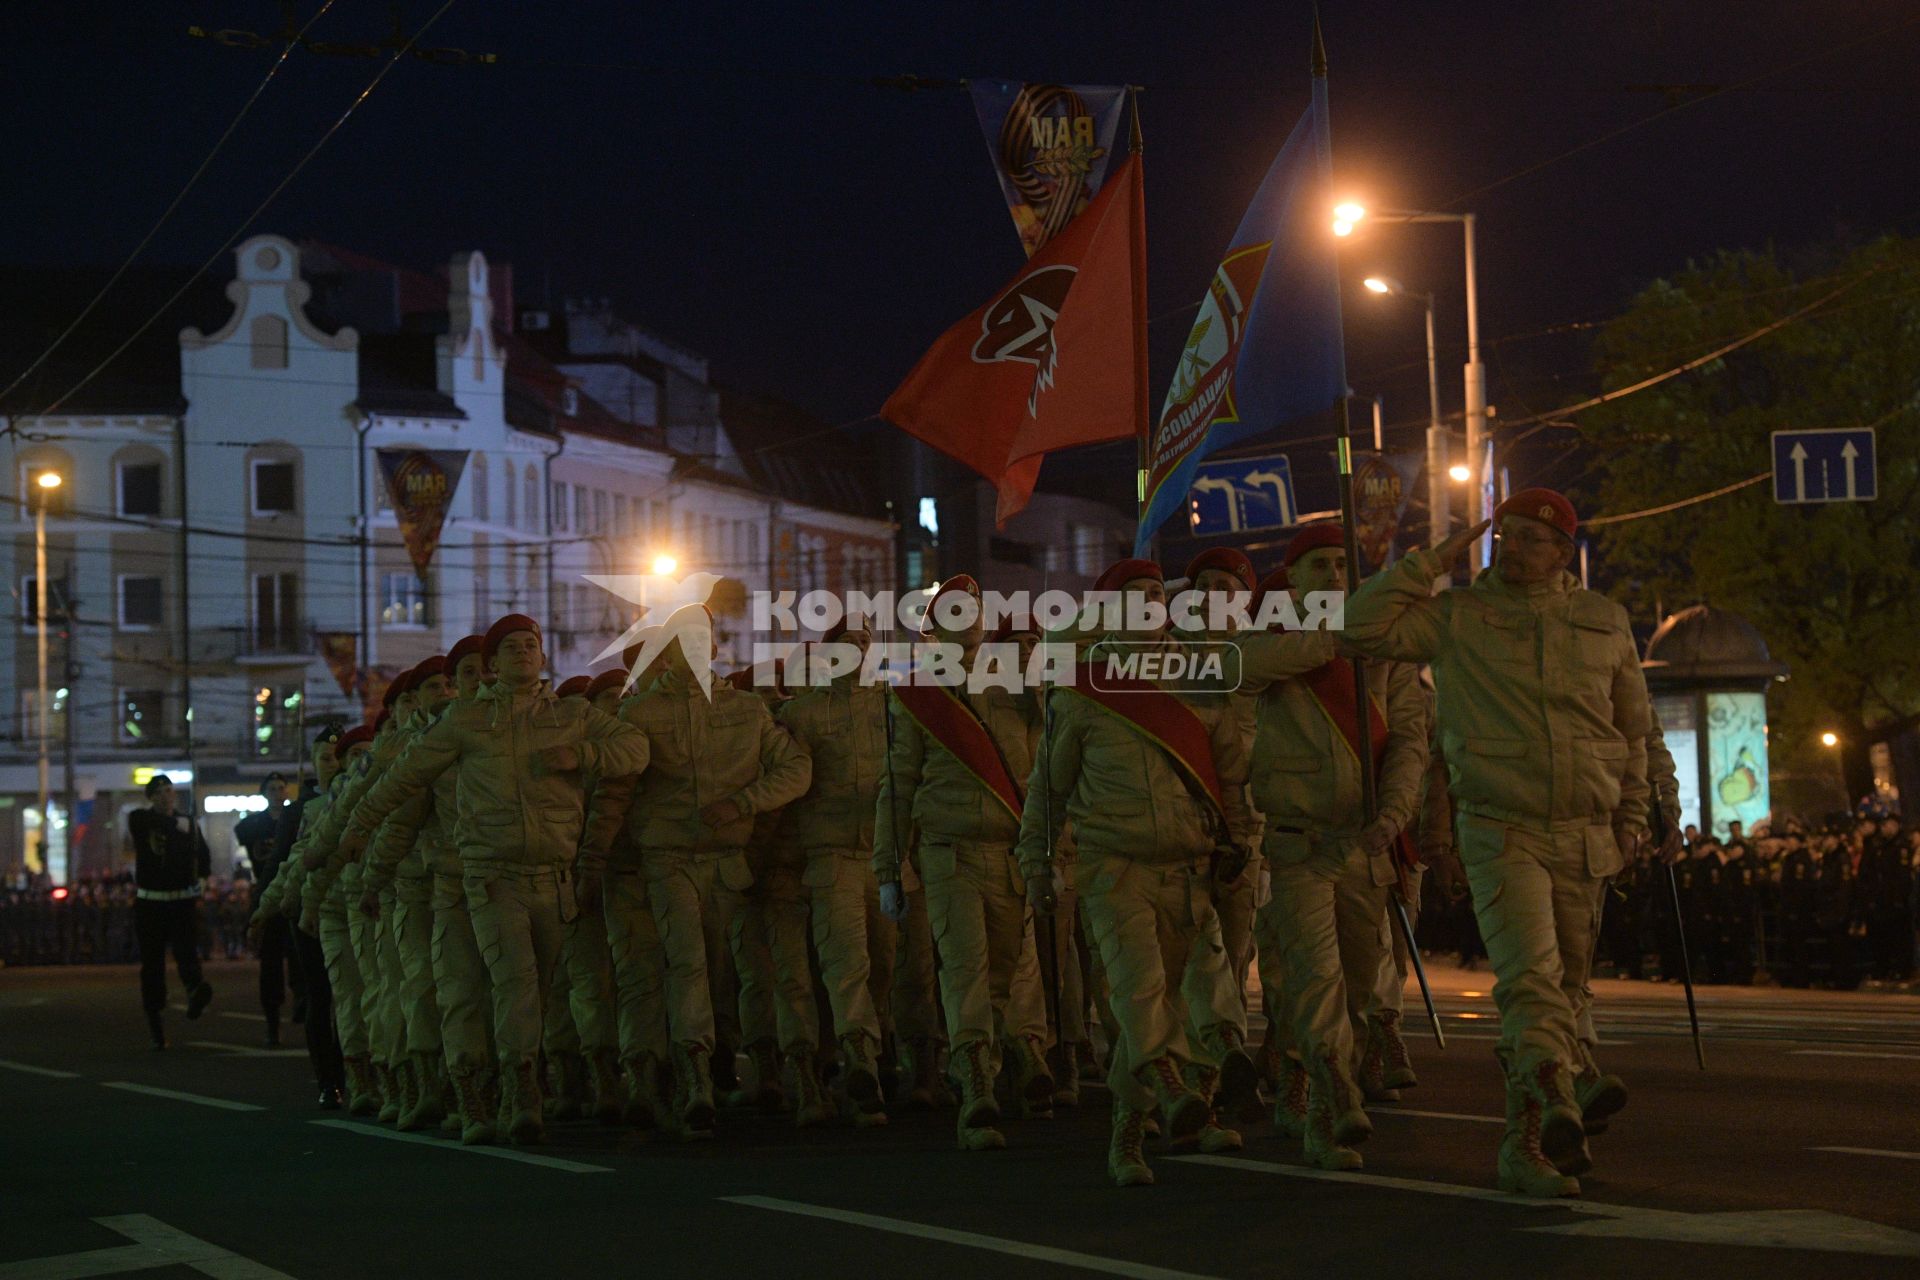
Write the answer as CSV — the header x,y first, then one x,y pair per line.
x,y
171,864
1889,916
1625,915
1838,909
259,834
1737,912
1799,890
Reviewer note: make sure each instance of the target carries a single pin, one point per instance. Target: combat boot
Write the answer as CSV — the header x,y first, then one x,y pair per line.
x,y
1562,1137
1126,1162
1270,1061
978,1110
604,1073
388,1082
520,1100
425,1109
1086,1062
811,1106
1349,1118
1066,1081
1032,1081
1373,1073
450,1121
1239,1086
476,1109
1523,1167
1185,1110
1290,1102
1599,1094
645,1105
862,1076
566,1071
1396,1064
363,1093
766,1094
1320,1142
693,1090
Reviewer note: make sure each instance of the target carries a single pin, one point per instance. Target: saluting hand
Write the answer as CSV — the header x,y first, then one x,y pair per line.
x,y
1450,551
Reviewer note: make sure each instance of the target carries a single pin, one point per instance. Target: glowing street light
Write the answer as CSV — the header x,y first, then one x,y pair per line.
x,y
48,480
1380,284
1346,215
1459,473
1829,739
664,564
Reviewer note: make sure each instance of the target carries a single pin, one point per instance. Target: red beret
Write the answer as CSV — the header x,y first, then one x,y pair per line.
x,y
1227,559
606,680
1272,583
1328,533
959,583
395,687
500,630
1121,572
846,624
574,687
1545,505
461,648
358,736
1015,625
427,670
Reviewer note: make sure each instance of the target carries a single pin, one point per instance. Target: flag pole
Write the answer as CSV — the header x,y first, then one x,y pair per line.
x,y
1142,427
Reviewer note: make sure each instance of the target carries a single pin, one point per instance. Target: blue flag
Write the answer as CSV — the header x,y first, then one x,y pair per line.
x,y
1265,351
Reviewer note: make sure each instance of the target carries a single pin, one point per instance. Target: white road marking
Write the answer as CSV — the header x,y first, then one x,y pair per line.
x,y
155,1245
1870,1151
969,1239
177,1096
1434,1115
246,1050
1814,1229
246,1017
442,1144
1851,1053
48,1072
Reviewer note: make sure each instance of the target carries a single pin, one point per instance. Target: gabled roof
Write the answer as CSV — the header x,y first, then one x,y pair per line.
x,y
805,459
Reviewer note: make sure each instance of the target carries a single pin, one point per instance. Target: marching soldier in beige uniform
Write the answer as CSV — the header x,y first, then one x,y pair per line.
x,y
1154,785
323,914
1331,867
718,761
1544,717
949,784
520,753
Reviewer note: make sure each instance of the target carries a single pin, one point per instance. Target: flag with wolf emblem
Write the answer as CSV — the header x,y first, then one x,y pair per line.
x,y
1056,358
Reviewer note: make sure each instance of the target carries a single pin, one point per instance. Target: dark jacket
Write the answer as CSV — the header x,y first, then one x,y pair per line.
x,y
259,834
170,854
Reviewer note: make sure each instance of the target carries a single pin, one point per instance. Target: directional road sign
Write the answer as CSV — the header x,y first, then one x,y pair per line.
x,y
1824,466
1240,495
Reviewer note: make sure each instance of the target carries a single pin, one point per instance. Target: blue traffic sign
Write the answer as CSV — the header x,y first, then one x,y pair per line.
x,y
1240,495
1832,465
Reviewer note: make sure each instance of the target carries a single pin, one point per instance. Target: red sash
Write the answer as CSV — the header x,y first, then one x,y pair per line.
x,y
1332,687
1162,719
952,724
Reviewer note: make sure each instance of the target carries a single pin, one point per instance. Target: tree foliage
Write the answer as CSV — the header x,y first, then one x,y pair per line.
x,y
1835,589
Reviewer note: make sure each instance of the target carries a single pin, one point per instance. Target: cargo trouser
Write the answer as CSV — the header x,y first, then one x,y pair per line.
x,y
1027,992
916,1010
363,934
516,922
1234,904
1535,894
344,976
1389,993
856,944
461,986
1210,986
393,1020
639,966
695,898
1145,918
558,1035
412,932
977,905
768,940
1328,910
587,957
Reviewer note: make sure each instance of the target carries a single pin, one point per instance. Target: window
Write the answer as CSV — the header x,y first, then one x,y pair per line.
x,y
479,486
1089,549
482,588
508,490
273,488
269,335
563,607
532,496
580,509
276,720
600,511
30,601
140,602
406,600
30,714
622,515
276,613
139,488
559,507
142,713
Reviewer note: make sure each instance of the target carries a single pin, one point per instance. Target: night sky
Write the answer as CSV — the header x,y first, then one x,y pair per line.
x,y
728,176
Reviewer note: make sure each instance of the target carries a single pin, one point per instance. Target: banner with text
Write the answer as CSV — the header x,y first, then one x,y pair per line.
x,y
1051,144
420,485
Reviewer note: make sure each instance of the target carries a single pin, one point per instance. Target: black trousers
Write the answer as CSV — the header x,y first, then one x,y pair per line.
x,y
277,956
323,1041
161,927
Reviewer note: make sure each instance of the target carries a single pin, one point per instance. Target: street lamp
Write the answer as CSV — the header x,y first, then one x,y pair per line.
x,y
664,564
1459,473
1829,739
1438,515
47,482
1347,215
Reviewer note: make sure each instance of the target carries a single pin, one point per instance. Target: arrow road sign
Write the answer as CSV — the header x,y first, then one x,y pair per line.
x,y
1240,495
1834,465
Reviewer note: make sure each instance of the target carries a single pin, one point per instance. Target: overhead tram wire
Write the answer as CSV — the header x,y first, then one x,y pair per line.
x,y
258,209
168,212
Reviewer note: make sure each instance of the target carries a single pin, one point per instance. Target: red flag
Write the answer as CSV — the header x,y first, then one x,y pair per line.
x,y
1057,358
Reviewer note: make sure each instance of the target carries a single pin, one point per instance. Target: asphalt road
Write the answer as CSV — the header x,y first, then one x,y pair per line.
x,y
1797,1149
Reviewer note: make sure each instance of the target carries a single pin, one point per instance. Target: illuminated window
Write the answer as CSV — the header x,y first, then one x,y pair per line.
x,y
406,601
